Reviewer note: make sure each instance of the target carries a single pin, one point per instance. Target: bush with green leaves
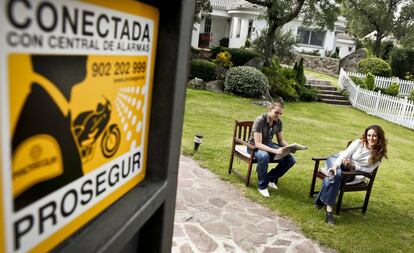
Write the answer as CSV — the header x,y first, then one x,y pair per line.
x,y
283,44
359,81
308,94
402,62
370,81
203,69
224,59
376,66
300,73
246,81
393,89
224,42
282,81
239,56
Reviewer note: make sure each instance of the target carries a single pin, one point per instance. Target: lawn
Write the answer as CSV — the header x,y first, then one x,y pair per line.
x,y
332,78
388,225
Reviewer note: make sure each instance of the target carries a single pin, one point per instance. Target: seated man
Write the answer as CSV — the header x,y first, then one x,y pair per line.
x,y
264,128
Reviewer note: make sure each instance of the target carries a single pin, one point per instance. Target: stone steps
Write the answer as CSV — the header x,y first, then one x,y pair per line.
x,y
335,101
332,96
327,93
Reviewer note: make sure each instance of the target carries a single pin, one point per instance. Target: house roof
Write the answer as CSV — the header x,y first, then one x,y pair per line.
x,y
231,4
344,36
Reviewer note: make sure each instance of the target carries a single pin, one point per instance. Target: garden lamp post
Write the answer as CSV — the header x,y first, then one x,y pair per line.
x,y
197,141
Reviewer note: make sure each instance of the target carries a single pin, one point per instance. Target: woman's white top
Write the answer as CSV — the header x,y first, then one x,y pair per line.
x,y
359,156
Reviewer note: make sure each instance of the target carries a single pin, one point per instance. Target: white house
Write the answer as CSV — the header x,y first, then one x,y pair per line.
x,y
239,20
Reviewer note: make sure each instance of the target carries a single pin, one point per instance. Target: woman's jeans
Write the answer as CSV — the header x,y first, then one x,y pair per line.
x,y
263,158
329,191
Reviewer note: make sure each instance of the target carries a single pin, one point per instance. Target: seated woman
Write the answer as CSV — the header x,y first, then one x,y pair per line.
x,y
363,154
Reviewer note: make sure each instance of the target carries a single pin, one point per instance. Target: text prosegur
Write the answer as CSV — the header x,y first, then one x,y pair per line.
x,y
62,208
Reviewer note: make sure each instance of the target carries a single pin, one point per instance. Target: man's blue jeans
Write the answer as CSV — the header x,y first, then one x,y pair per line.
x,y
263,158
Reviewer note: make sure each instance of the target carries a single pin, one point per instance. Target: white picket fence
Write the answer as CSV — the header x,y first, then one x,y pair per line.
x,y
394,109
384,82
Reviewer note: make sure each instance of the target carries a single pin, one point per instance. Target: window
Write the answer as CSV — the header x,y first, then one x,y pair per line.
x,y
310,37
249,32
207,25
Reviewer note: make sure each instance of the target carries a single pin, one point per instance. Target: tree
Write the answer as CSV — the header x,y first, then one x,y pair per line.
x,y
201,6
279,12
382,17
282,45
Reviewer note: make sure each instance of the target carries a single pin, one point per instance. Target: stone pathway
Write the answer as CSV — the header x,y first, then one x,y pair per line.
x,y
212,216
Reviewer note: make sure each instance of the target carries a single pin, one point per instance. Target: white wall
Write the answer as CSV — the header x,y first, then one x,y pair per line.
x,y
219,29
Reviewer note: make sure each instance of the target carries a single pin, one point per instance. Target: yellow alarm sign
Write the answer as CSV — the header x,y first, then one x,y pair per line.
x,y
76,83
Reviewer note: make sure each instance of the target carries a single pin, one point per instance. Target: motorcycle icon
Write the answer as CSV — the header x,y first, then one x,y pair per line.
x,y
89,125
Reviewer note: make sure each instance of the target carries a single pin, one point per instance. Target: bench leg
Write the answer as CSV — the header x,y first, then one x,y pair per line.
x,y
231,160
315,170
249,172
339,203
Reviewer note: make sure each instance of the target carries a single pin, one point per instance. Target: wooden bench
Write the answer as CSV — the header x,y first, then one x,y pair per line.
x,y
241,133
363,182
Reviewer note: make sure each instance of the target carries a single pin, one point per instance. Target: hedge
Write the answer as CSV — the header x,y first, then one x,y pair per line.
x,y
203,69
246,81
375,66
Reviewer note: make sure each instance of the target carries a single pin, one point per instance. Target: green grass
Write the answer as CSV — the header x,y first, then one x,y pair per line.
x,y
332,78
389,222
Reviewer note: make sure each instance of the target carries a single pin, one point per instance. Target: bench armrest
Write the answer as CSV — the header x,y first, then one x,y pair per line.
x,y
319,158
239,141
355,173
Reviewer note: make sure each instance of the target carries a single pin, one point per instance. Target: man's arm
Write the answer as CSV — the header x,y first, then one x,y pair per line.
x,y
280,140
258,143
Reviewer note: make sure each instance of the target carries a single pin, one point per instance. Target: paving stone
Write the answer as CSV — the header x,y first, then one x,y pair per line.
x,y
200,239
232,219
186,248
216,228
267,227
178,232
185,183
274,250
192,197
282,242
219,202
229,248
289,225
305,247
240,234
213,216
261,211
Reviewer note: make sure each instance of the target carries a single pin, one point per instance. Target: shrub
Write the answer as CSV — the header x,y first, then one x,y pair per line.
x,y
358,81
282,82
376,66
402,62
300,73
239,56
224,42
203,69
283,45
308,94
224,59
412,95
195,53
370,81
246,81
393,89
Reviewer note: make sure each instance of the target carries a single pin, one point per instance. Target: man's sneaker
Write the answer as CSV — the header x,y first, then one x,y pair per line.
x,y
329,218
273,186
265,193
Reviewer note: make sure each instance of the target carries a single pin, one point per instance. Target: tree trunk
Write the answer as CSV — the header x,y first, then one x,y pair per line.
x,y
270,38
377,47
